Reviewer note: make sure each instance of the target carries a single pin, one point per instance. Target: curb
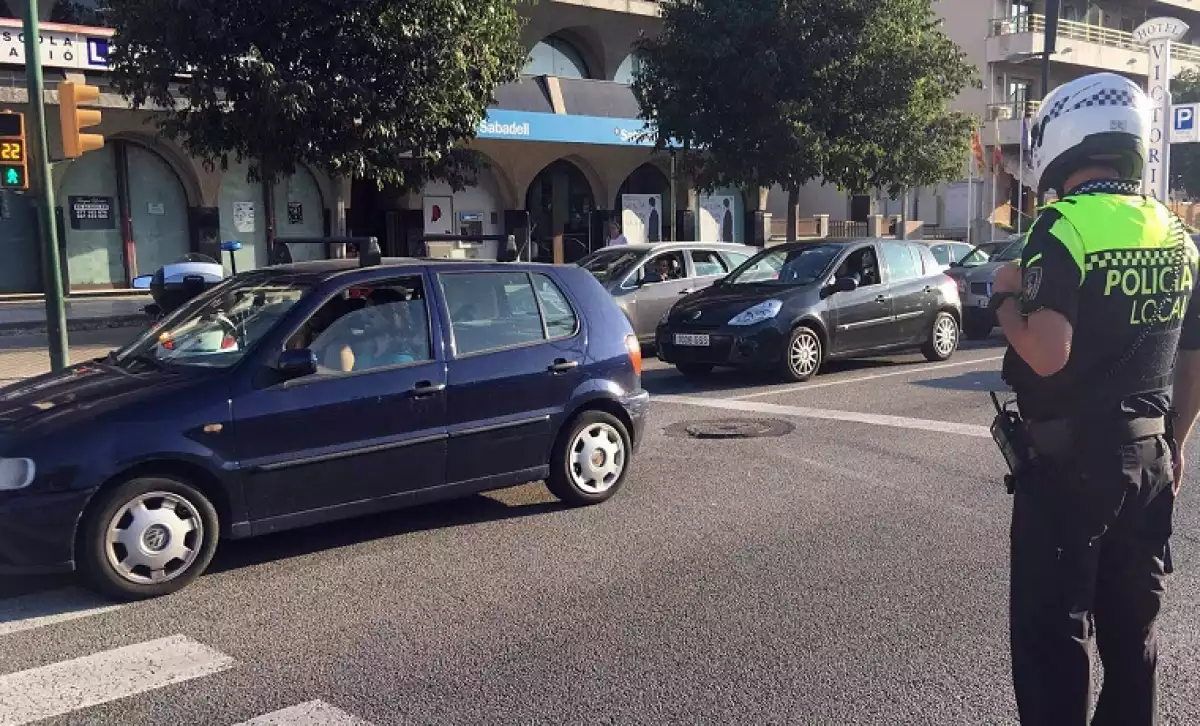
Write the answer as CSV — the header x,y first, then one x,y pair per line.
x,y
38,327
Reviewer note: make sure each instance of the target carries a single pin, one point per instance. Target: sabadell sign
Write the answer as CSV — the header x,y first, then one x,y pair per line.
x,y
495,128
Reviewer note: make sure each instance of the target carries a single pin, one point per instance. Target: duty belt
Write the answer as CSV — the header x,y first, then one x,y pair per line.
x,y
1058,438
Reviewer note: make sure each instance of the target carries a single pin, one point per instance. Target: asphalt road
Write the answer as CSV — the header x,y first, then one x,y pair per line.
x,y
851,571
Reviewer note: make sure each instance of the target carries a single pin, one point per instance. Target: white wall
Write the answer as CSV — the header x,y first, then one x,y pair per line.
x,y
300,188
234,189
93,256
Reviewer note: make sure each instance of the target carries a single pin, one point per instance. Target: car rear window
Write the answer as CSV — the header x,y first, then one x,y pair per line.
x,y
497,310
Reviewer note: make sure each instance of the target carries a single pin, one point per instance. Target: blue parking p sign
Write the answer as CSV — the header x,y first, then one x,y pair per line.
x,y
1183,123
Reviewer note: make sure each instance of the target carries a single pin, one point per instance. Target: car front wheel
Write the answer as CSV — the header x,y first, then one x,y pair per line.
x,y
803,355
148,537
943,338
590,459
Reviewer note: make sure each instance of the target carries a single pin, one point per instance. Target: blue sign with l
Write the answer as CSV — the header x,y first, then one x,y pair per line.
x,y
532,126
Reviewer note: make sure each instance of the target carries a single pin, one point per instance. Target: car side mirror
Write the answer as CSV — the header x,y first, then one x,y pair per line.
x,y
141,282
153,310
296,363
845,284
956,263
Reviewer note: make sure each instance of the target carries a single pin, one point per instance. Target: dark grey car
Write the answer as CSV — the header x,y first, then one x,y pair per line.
x,y
647,279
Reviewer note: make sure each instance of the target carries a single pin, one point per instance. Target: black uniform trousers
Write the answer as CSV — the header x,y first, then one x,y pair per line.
x,y
1088,540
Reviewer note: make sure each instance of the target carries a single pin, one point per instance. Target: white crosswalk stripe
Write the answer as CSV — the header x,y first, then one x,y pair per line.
x,y
312,713
40,609
68,686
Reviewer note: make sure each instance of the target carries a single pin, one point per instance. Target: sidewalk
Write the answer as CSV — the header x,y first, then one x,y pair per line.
x,y
24,314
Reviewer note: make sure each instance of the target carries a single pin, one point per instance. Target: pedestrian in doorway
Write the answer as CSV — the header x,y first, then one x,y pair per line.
x,y
614,235
1091,357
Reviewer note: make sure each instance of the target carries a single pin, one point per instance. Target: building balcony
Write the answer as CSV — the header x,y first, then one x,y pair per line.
x,y
1004,121
1079,44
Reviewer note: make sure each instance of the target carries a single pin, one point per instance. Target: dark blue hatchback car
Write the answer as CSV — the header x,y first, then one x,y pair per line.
x,y
304,393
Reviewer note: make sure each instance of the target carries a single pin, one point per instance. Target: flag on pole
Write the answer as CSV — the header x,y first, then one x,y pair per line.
x,y
977,149
1026,142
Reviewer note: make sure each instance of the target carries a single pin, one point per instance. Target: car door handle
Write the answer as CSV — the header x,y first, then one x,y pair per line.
x,y
880,298
688,291
427,388
562,365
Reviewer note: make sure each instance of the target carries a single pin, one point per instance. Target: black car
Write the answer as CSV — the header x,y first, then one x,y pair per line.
x,y
793,306
298,394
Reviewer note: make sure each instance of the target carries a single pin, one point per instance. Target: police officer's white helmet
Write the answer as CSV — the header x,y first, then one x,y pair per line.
x,y
1099,119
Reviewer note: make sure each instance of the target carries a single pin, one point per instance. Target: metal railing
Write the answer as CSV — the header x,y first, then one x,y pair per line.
x,y
1085,32
1012,110
842,229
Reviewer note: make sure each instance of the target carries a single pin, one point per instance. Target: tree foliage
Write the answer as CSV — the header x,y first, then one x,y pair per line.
x,y
1185,158
853,92
377,89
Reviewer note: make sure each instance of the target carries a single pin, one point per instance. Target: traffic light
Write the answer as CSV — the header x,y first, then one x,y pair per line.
x,y
74,118
14,162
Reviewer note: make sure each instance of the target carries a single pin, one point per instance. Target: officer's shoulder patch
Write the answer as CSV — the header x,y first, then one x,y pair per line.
x,y
1032,282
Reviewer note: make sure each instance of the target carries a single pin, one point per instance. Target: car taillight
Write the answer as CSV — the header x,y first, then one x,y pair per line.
x,y
166,341
228,342
634,348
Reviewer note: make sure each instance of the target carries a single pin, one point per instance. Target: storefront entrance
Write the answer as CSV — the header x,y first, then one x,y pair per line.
x,y
560,204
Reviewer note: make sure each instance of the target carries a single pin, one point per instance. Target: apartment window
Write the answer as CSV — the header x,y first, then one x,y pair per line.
x,y
1071,13
1020,92
1019,8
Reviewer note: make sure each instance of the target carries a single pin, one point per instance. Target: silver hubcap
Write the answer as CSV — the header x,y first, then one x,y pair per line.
x,y
597,458
154,538
805,354
945,336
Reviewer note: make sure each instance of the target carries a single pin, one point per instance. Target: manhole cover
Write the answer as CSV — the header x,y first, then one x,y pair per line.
x,y
731,428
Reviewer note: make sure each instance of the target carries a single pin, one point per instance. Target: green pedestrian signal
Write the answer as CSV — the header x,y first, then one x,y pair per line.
x,y
12,177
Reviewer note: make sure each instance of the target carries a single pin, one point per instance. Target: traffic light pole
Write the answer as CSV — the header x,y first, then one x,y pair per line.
x,y
52,284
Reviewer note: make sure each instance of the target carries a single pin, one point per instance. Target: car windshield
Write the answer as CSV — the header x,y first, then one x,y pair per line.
x,y
985,253
612,264
217,329
1011,252
786,266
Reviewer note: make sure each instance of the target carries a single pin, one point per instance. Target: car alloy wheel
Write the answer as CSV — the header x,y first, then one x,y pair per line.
x,y
945,336
804,354
597,458
154,538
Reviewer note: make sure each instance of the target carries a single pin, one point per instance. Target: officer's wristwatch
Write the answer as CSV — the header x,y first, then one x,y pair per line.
x,y
998,299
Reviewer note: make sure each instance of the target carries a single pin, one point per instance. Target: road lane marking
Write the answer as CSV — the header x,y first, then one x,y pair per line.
x,y
860,379
944,427
311,713
39,609
68,686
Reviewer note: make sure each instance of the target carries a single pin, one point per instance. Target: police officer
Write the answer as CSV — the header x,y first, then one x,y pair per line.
x,y
1094,315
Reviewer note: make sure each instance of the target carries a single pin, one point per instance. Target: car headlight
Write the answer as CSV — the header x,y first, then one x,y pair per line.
x,y
16,474
760,312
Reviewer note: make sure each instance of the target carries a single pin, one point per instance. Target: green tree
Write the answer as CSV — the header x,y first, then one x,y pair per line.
x,y
376,89
853,92
1185,158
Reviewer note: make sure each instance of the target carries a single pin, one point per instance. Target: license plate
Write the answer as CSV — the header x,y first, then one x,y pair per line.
x,y
691,340
983,302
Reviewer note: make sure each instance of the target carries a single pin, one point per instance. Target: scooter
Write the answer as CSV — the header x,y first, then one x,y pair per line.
x,y
173,285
